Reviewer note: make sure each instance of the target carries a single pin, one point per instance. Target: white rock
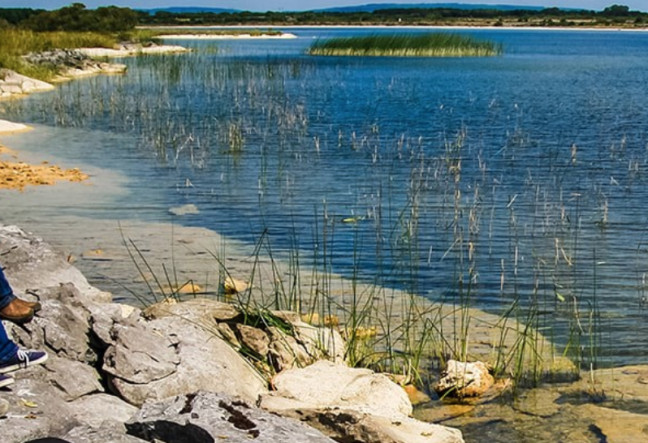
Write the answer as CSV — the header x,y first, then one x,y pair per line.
x,y
329,385
464,379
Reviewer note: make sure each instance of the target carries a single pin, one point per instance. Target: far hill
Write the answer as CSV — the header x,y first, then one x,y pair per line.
x,y
378,6
189,10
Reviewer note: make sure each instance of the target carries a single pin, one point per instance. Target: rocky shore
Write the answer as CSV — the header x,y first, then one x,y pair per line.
x,y
74,63
118,373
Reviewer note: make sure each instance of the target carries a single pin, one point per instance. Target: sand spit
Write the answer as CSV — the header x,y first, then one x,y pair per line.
x,y
16,175
133,50
7,127
226,36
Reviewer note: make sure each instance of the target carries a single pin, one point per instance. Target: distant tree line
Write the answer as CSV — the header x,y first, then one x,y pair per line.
x,y
72,18
615,14
114,19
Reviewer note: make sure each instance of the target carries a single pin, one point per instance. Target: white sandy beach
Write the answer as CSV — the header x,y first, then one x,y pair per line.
x,y
7,127
227,36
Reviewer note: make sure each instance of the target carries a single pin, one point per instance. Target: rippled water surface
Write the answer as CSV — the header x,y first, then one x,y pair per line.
x,y
519,179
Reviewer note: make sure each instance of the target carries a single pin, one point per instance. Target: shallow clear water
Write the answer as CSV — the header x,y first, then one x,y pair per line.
x,y
521,177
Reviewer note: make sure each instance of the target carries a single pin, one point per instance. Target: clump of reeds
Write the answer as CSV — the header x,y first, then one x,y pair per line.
x,y
407,45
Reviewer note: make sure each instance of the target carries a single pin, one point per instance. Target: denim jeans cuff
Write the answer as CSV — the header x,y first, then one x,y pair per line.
x,y
6,299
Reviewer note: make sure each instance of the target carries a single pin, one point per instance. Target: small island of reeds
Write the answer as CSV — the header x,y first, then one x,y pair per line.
x,y
407,45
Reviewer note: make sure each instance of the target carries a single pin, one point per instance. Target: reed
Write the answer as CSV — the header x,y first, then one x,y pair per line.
x,y
407,45
416,213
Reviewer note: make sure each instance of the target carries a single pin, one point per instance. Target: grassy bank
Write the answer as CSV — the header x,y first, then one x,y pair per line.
x,y
407,45
14,43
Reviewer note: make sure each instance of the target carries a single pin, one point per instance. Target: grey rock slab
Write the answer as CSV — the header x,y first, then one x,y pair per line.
x,y
73,378
36,409
109,432
328,385
206,362
208,417
197,310
253,338
104,316
31,264
321,341
349,425
94,410
139,355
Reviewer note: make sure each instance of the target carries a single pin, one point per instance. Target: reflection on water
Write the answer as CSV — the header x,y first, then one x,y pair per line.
x,y
509,181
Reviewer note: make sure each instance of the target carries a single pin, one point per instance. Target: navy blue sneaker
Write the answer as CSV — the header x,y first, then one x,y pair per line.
x,y
5,380
23,359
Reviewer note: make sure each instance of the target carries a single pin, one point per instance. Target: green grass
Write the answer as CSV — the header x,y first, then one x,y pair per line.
x,y
14,43
407,45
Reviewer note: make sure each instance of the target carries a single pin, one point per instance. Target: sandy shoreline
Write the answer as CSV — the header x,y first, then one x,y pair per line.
x,y
439,27
227,37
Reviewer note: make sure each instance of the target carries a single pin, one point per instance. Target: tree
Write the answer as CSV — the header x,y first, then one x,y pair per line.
x,y
616,11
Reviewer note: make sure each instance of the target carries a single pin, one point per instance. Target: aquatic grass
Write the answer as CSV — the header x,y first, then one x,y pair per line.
x,y
406,45
255,115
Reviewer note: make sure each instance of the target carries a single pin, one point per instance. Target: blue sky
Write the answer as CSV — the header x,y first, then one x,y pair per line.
x,y
297,5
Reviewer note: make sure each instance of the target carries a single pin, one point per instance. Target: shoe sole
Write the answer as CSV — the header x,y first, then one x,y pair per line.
x,y
18,320
6,381
19,366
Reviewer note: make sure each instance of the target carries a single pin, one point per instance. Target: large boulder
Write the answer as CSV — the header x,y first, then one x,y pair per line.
x,y
351,404
171,356
328,385
12,83
207,417
31,264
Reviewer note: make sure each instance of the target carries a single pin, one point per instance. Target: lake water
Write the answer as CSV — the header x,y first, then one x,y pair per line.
x,y
519,179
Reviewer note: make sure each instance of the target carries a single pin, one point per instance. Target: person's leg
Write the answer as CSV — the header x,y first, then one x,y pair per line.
x,y
12,358
6,293
11,307
7,347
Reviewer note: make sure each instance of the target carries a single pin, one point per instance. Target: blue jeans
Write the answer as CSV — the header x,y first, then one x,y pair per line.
x,y
7,347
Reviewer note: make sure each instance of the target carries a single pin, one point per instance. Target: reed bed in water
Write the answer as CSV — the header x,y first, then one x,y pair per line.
x,y
453,221
407,45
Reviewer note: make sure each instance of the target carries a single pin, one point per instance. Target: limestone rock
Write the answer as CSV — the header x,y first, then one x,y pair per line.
x,y
104,316
321,342
93,410
199,310
197,359
328,385
62,325
286,352
31,396
464,379
351,405
207,416
12,83
232,285
74,378
345,425
30,264
253,338
107,432
139,356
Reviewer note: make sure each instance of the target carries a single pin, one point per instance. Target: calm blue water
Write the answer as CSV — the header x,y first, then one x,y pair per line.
x,y
522,177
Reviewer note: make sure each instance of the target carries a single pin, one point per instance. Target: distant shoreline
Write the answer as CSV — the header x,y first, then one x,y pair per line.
x,y
440,27
225,36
